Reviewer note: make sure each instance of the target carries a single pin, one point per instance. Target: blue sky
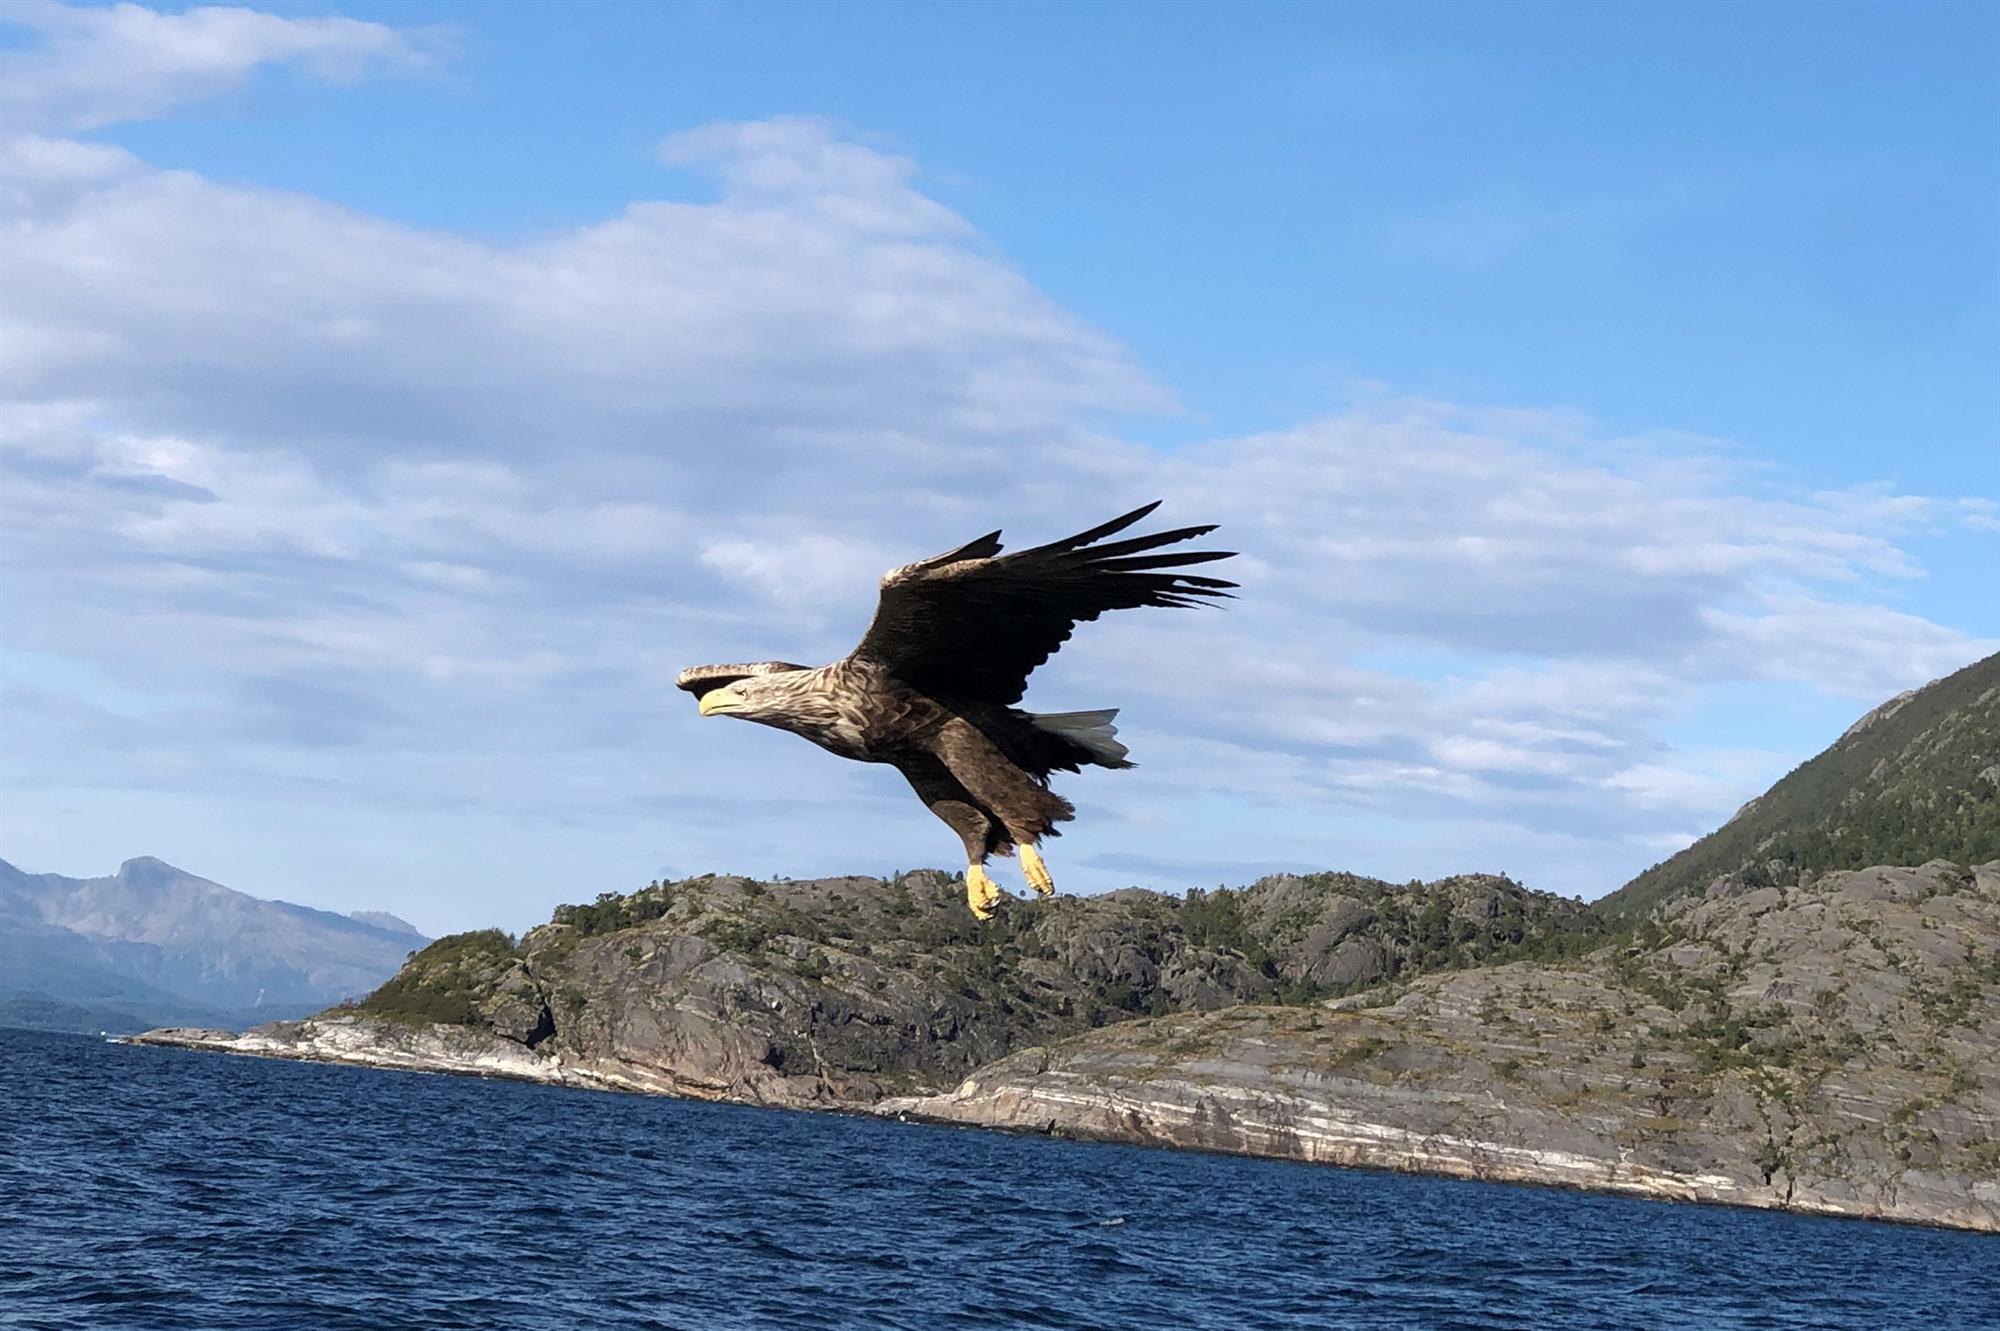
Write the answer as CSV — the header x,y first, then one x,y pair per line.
x,y
1603,395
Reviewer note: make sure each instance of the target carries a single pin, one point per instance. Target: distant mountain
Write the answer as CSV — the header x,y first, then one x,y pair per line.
x,y
1916,779
52,979
382,919
153,943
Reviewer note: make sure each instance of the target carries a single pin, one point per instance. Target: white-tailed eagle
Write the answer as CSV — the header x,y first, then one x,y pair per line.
x,y
932,687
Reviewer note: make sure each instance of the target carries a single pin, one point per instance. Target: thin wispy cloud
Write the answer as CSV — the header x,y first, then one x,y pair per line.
x,y
1481,232
97,65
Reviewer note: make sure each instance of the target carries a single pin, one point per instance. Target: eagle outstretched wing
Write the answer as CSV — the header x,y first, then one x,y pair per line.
x,y
972,624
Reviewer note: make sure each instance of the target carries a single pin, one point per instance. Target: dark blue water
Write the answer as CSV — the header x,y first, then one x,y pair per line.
x,y
152,1188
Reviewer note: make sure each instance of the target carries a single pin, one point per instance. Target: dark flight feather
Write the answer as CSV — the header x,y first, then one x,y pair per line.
x,y
972,624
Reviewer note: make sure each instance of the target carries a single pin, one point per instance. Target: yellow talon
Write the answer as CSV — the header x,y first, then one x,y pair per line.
x,y
1037,872
981,892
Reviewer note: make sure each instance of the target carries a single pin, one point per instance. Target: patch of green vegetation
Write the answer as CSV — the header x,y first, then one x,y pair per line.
x,y
1984,1155
1651,975
1903,789
1947,1005
747,937
446,981
1216,920
613,911
1721,1038
1362,1051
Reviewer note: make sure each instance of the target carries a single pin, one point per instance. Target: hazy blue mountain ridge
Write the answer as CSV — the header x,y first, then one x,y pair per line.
x,y
153,942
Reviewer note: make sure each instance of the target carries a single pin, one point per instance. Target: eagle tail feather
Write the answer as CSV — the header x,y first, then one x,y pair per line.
x,y
1091,732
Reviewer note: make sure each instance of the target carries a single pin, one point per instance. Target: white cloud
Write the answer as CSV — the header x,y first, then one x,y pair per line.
x,y
795,162
1703,781
1484,232
796,572
1863,651
99,64
1979,514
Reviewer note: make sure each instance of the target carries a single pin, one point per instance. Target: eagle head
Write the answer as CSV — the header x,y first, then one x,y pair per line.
x,y
749,691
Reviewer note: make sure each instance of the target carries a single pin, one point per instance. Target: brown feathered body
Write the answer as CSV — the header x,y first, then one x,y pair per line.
x,y
932,686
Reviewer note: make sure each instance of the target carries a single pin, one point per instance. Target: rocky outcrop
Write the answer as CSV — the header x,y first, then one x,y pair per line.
x,y
375,1044
1305,1084
1832,1049
840,991
434,1047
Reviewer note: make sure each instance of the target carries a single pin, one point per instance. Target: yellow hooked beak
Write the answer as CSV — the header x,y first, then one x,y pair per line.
x,y
724,699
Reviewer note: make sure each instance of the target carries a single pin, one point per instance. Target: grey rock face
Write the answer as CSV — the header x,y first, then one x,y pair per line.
x,y
846,990
423,1048
1833,1049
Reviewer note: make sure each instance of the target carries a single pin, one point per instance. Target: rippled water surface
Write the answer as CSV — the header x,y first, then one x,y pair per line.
x,y
153,1188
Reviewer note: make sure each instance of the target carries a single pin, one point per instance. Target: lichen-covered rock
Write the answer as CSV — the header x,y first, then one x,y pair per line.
x,y
839,991
516,1009
1833,1049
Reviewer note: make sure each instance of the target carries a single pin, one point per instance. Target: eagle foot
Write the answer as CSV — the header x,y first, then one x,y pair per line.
x,y
982,894
1036,872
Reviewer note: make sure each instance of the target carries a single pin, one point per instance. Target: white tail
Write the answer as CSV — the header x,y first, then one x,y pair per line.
x,y
1091,731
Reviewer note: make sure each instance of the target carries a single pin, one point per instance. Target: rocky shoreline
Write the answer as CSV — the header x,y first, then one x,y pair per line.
x,y
1228,1119
453,1050
1036,1093
1831,1049
1253,1101
1270,1124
